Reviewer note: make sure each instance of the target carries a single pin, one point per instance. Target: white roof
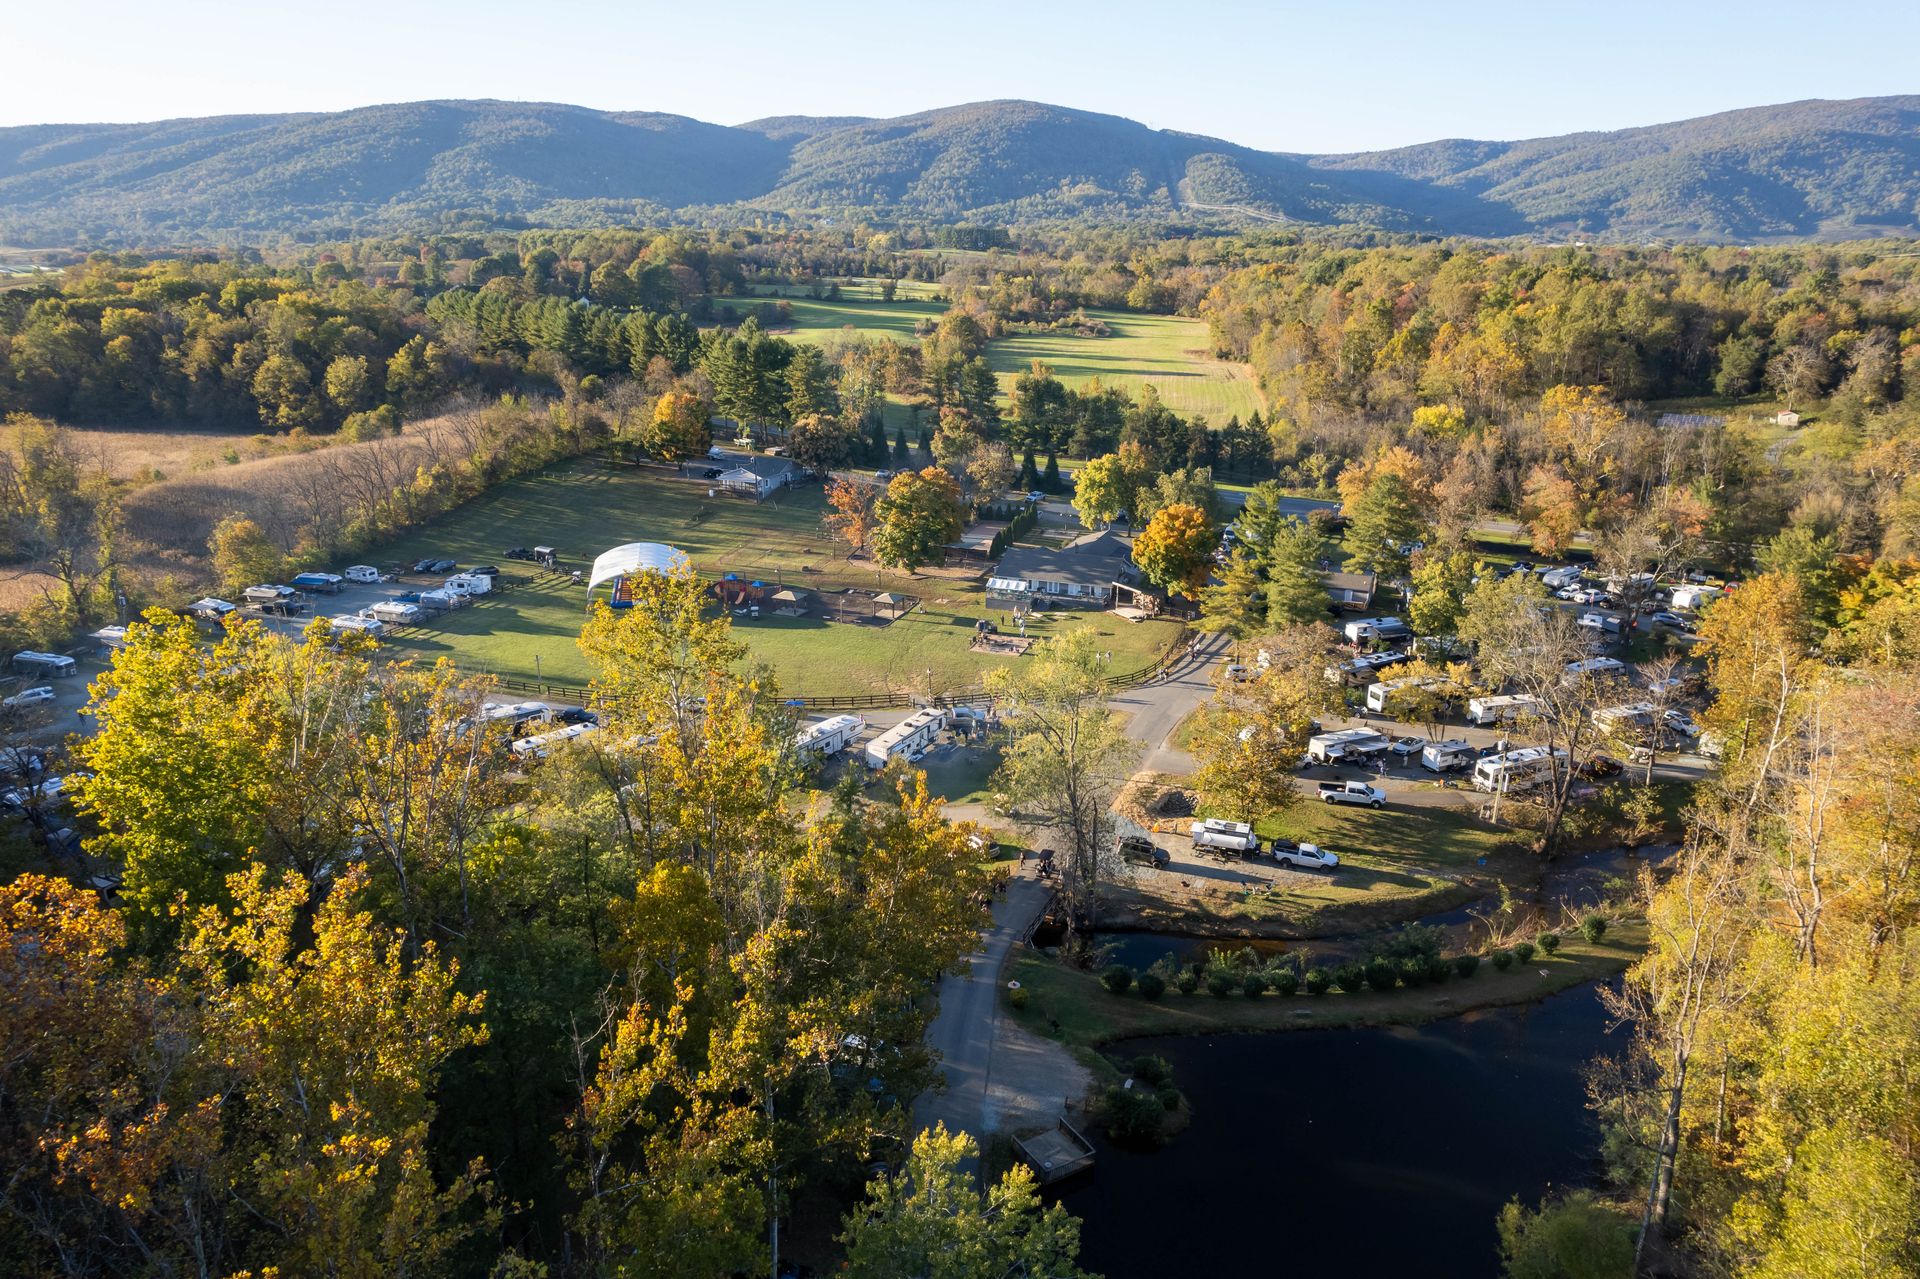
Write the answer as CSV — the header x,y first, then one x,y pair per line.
x,y
636,557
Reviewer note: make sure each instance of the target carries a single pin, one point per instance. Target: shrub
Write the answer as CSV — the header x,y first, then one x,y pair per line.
x,y
1351,978
1593,928
1438,970
1133,1115
1382,976
1253,985
1220,985
1287,982
1523,951
1117,979
1466,965
1169,1099
1503,959
1317,980
1414,940
1018,998
1152,986
1550,942
1187,982
1413,971
1155,1072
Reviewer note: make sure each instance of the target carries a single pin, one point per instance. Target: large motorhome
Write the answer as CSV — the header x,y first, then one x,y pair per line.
x,y
1632,716
43,665
540,744
1366,629
1595,668
1688,598
829,736
913,734
1347,743
1485,711
1361,670
1516,769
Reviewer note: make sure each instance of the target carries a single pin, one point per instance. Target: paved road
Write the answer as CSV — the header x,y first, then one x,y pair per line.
x,y
965,1031
1155,710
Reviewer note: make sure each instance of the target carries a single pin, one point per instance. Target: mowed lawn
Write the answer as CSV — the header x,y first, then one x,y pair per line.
x,y
1168,351
583,508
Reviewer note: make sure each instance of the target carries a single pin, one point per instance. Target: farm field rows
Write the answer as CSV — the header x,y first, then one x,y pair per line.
x,y
584,508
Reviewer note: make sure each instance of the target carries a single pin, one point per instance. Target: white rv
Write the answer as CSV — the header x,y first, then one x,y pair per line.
x,y
1373,628
541,744
395,613
1595,668
370,626
467,584
829,736
1516,769
1380,695
1605,623
1555,579
365,573
1689,598
1237,837
1632,716
1444,757
907,738
1348,743
211,609
43,665
1484,711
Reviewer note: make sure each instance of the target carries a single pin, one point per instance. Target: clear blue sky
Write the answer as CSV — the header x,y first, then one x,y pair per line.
x,y
1284,76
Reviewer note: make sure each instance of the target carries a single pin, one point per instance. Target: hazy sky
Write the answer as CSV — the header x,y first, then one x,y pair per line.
x,y
1285,76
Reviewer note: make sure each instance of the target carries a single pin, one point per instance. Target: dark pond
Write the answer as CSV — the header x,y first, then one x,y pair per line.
x,y
1352,1152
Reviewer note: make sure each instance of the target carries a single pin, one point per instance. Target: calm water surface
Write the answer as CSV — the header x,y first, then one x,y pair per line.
x,y
1352,1152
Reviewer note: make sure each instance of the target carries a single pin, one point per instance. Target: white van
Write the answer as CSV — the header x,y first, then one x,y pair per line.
x,y
1235,837
1485,711
364,573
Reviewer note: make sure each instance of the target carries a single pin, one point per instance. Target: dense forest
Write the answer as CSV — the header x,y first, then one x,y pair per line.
x,y
1801,169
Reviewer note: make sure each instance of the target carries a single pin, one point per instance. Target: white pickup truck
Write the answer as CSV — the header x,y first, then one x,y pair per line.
x,y
1352,793
1307,856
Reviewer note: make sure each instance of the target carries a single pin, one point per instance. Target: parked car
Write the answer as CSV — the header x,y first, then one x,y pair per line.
x,y
1143,851
29,697
1664,618
425,566
1352,793
1306,856
1407,747
1591,595
485,570
442,566
1595,768
22,763
1569,593
1681,723
575,715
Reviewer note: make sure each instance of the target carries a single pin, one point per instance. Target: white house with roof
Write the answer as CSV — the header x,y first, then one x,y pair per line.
x,y
1083,572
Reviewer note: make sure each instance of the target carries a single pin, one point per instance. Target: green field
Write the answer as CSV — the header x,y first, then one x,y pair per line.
x,y
583,508
1167,351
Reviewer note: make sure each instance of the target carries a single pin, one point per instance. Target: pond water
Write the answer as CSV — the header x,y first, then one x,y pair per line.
x,y
1352,1152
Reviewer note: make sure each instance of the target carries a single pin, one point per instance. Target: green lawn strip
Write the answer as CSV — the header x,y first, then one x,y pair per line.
x,y
1390,858
583,508
1070,1005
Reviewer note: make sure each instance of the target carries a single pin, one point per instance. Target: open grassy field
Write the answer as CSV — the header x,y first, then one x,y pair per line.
x,y
1168,351
583,508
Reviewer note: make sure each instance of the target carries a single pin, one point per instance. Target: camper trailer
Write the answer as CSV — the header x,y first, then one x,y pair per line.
x,y
1595,668
1557,579
1689,598
368,626
909,737
1362,670
43,665
258,595
1485,711
1445,757
1630,717
1233,837
211,609
363,573
1516,769
829,736
467,584
541,744
109,639
395,612
1605,623
1348,743
1380,695
1368,629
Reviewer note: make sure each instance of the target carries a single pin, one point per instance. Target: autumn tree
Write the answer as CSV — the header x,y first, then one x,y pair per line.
x,y
1253,732
916,518
243,554
1175,550
849,516
678,428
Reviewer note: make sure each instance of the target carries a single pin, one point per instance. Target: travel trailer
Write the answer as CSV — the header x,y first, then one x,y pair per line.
x,y
908,738
1516,769
1348,743
1485,711
829,736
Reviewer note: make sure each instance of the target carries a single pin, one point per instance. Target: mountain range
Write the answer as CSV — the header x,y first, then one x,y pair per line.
x,y
1826,169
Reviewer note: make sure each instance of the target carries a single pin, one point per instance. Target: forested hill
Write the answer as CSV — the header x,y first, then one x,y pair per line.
x,y
1803,169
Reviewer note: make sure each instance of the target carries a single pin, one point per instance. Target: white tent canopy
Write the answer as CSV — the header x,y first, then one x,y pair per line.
x,y
636,557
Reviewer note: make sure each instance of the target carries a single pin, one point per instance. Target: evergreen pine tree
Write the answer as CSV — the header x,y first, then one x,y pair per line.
x,y
900,455
877,442
1029,474
1050,478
